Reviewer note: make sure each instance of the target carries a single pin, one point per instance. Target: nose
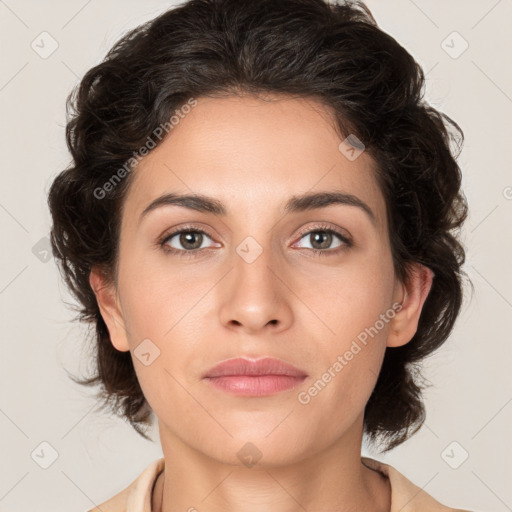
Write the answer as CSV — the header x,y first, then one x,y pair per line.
x,y
254,296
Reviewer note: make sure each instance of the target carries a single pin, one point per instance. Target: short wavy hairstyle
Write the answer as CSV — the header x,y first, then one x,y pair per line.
x,y
333,53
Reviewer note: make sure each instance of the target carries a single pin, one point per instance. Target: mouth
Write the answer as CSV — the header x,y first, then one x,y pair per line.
x,y
262,377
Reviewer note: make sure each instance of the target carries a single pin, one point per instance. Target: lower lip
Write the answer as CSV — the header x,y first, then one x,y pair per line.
x,y
255,385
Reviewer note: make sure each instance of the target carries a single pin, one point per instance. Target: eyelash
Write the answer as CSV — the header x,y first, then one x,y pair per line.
x,y
193,229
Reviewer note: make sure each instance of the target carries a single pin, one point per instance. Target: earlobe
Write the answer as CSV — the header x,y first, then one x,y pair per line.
x,y
415,292
110,310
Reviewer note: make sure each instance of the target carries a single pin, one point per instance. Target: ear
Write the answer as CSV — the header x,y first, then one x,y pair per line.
x,y
106,296
415,291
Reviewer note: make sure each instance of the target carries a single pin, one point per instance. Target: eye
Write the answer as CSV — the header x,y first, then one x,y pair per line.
x,y
321,239
184,240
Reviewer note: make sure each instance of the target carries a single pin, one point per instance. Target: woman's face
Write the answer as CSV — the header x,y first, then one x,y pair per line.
x,y
251,285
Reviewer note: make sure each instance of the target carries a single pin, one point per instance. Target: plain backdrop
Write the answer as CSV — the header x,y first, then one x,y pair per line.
x,y
462,455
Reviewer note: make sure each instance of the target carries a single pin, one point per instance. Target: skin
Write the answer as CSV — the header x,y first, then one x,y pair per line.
x,y
289,303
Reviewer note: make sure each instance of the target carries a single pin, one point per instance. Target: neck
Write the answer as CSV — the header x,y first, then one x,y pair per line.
x,y
334,479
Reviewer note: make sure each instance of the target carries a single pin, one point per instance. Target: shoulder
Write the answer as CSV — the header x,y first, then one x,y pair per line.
x,y
137,496
406,496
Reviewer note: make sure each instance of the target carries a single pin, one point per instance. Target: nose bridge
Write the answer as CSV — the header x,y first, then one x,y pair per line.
x,y
258,250
255,294
254,265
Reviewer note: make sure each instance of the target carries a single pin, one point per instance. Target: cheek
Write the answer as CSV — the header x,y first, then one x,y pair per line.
x,y
346,374
158,310
355,306
165,317
349,296
157,296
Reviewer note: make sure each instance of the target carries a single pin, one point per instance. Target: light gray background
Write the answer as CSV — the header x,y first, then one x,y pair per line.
x,y
470,401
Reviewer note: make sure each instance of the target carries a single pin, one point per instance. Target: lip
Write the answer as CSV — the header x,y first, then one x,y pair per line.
x,y
248,377
254,367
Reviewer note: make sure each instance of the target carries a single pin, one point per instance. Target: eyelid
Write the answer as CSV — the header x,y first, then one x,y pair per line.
x,y
323,226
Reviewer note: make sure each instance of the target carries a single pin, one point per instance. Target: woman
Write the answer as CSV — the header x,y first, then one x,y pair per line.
x,y
259,224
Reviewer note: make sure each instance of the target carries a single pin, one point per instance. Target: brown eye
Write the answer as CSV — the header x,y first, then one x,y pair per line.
x,y
185,240
322,240
191,239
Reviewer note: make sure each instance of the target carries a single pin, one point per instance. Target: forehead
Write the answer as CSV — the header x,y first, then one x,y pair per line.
x,y
253,154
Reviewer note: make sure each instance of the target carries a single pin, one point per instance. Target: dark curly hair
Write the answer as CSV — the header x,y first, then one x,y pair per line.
x,y
332,53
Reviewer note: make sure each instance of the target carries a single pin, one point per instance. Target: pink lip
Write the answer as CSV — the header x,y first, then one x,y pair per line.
x,y
245,377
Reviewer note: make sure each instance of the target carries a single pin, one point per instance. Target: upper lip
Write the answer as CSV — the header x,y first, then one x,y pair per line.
x,y
262,366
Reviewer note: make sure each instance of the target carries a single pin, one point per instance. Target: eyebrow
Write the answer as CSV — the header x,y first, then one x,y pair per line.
x,y
301,203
